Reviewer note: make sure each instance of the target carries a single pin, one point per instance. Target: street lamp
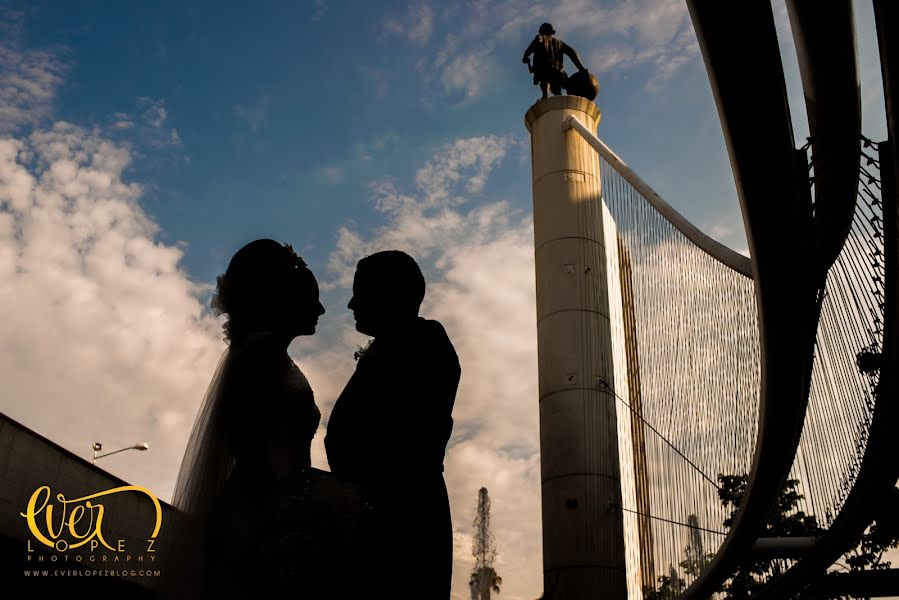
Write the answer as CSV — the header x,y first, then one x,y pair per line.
x,y
98,446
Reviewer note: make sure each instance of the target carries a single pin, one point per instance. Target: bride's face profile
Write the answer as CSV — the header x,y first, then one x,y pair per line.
x,y
304,305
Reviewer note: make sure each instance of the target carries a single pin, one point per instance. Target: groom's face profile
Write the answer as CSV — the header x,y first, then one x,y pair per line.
x,y
388,289
367,304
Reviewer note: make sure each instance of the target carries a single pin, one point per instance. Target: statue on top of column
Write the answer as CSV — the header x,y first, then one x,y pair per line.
x,y
549,52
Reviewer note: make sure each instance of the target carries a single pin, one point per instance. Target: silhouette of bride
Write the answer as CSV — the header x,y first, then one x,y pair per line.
x,y
262,520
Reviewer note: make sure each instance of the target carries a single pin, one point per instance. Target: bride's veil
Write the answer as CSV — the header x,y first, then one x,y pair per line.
x,y
209,457
207,462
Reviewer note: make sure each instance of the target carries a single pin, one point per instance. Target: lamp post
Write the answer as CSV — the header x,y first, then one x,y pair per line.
x,y
98,446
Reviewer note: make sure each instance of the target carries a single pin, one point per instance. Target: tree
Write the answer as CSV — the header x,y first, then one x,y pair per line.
x,y
482,580
882,535
695,560
695,557
484,577
668,588
786,520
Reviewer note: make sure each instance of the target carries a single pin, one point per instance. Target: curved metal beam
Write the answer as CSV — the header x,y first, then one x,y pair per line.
x,y
739,45
736,261
826,49
879,470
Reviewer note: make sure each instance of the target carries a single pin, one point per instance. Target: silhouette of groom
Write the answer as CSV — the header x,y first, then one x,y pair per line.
x,y
389,429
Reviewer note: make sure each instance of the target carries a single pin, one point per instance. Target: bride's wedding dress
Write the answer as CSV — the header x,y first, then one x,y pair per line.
x,y
264,521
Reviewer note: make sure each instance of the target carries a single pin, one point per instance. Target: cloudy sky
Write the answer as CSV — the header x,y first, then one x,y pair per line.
x,y
141,144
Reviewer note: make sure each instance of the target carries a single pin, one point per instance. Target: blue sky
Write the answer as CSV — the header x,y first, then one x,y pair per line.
x,y
141,144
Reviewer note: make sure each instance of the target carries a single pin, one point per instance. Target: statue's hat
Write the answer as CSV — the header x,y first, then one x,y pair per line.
x,y
547,29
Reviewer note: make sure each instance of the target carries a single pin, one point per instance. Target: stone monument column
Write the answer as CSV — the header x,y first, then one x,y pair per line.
x,y
583,537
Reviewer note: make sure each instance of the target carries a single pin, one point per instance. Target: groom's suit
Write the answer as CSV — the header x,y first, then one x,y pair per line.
x,y
388,433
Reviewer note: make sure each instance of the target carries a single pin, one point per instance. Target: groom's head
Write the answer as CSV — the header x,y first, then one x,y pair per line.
x,y
388,288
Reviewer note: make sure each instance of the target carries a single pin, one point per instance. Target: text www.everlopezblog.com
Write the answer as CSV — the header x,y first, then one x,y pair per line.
x,y
91,573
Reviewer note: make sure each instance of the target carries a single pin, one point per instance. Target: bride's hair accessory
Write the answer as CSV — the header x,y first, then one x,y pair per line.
x,y
298,262
257,269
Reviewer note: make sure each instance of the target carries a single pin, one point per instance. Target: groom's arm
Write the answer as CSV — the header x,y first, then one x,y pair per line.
x,y
425,403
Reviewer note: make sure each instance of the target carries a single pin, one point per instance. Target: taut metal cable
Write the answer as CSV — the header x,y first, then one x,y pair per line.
x,y
692,349
693,398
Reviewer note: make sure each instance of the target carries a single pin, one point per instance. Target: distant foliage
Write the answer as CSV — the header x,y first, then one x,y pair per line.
x,y
881,536
695,560
786,520
484,578
668,589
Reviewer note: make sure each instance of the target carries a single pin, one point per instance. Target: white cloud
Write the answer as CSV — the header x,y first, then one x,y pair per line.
x,y
873,109
109,340
634,34
146,127
728,229
416,25
321,7
255,113
172,138
460,65
391,27
426,220
121,120
332,174
377,80
645,21
29,79
467,161
384,142
153,112
387,198
464,73
421,24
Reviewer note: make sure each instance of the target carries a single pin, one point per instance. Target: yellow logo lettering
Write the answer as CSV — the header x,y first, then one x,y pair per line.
x,y
74,511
